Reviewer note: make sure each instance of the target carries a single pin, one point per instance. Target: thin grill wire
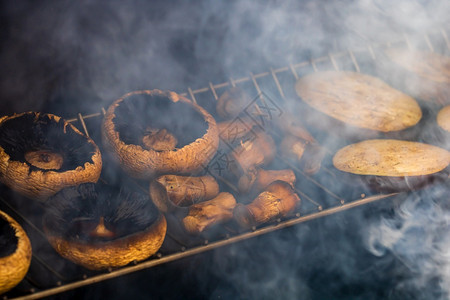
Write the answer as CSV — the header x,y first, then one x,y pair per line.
x,y
63,283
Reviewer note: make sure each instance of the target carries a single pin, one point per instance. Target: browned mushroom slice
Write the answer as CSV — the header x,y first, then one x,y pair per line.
x,y
255,182
41,153
170,192
251,153
291,125
212,212
15,253
443,118
293,148
97,226
392,165
352,104
128,118
278,200
232,103
425,75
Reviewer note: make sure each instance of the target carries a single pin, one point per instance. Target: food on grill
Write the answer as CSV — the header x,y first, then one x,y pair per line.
x,y
257,181
169,192
212,212
98,226
292,148
41,153
278,200
443,118
232,103
292,126
236,129
15,253
306,155
125,127
159,139
257,151
364,104
394,164
424,75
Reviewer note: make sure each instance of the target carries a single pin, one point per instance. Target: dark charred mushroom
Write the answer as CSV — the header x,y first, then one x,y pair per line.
x,y
98,226
15,253
177,119
394,165
41,153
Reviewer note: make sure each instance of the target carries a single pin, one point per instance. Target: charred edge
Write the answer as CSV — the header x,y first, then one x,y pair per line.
x,y
138,112
31,132
8,238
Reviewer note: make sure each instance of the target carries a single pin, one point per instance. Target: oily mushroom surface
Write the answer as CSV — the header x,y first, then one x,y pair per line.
x,y
391,165
15,253
357,103
41,153
99,226
184,126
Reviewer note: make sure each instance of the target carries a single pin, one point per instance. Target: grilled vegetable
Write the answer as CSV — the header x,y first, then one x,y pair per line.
x,y
212,212
15,253
171,191
41,153
278,200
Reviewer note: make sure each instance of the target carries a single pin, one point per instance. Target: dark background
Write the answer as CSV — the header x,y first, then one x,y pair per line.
x,y
66,57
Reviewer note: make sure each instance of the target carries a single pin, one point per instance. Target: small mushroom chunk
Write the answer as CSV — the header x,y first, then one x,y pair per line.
x,y
159,140
232,130
206,214
256,182
231,103
249,154
171,191
308,155
278,200
290,125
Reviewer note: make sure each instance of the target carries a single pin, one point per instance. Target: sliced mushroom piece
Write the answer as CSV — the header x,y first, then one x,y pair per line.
x,y
98,226
278,200
252,153
171,192
212,212
15,253
256,182
232,103
124,130
41,153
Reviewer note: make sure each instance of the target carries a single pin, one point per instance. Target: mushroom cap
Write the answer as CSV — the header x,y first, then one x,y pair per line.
x,y
34,131
115,253
128,116
14,266
136,228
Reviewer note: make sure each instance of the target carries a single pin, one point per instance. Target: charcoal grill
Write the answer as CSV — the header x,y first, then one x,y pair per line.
x,y
50,274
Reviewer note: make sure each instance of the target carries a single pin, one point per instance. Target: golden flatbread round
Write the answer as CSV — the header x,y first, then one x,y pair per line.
x,y
359,100
396,158
443,118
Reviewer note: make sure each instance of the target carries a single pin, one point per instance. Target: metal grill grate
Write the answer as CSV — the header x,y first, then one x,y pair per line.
x,y
49,274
